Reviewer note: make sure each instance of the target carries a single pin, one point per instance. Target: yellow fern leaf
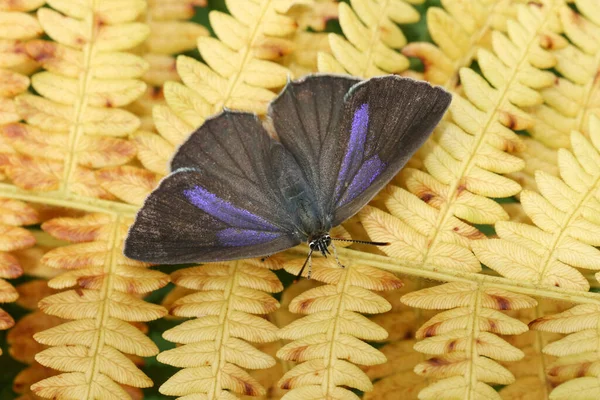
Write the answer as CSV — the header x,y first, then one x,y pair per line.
x,y
537,156
67,136
214,349
331,333
170,33
13,215
16,28
468,153
463,339
573,371
307,45
575,97
565,215
372,38
239,73
89,349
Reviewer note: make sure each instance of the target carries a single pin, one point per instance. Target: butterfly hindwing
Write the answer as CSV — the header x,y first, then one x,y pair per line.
x,y
305,116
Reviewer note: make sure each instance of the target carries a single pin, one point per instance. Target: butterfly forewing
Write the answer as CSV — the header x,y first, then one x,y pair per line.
x,y
385,121
224,200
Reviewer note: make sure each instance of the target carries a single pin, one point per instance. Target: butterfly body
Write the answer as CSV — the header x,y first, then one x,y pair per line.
x,y
238,192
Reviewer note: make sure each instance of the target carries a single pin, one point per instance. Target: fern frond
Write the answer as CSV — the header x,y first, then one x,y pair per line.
x,y
531,379
459,30
573,373
307,46
395,378
468,153
215,346
316,15
537,157
574,98
372,38
327,342
239,74
566,223
463,339
75,126
89,350
22,346
170,33
13,237
16,28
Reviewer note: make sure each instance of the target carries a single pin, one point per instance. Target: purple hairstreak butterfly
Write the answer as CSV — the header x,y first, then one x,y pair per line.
x,y
236,192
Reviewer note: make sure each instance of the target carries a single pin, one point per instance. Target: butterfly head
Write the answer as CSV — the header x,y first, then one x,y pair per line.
x,y
320,243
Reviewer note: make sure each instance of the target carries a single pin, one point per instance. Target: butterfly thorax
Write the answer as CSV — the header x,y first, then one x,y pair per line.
x,y
320,242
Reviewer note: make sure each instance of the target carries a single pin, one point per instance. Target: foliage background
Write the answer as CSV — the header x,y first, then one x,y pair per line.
x,y
401,323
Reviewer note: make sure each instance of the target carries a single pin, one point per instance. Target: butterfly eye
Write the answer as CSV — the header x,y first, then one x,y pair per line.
x,y
312,245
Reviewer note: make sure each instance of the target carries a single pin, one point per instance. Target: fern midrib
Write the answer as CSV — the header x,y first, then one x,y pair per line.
x,y
471,350
374,37
572,214
329,380
538,345
266,5
104,314
433,272
224,315
68,200
80,107
445,211
591,87
466,60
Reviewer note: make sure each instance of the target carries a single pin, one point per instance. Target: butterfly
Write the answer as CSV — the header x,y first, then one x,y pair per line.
x,y
236,191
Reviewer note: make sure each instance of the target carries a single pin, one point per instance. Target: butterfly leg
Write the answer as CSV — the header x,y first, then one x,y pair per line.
x,y
265,258
307,261
335,254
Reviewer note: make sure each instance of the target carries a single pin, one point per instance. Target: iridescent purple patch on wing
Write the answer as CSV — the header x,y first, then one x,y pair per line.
x,y
225,211
356,144
244,237
367,173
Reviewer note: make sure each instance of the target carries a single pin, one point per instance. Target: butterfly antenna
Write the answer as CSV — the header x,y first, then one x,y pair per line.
x,y
307,261
362,242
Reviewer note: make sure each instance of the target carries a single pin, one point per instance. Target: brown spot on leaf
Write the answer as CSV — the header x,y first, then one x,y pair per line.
x,y
451,346
287,384
493,325
297,354
79,292
14,131
436,361
431,330
502,303
41,50
461,188
546,42
304,305
510,121
534,3
426,197
249,389
89,282
583,369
